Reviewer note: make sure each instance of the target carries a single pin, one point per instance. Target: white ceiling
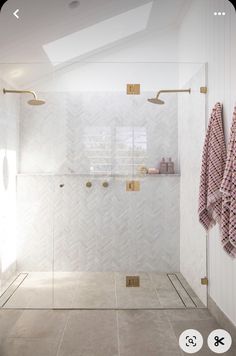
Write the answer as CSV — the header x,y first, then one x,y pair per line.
x,y
45,21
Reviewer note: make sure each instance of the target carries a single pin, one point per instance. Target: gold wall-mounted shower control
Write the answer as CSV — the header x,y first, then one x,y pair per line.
x,y
203,90
105,184
132,186
133,89
132,281
88,184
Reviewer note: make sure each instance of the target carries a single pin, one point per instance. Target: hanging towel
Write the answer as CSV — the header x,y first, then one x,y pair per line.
x,y
213,164
228,189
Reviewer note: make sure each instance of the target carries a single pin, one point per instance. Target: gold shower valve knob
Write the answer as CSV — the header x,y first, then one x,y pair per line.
x,y
88,184
105,184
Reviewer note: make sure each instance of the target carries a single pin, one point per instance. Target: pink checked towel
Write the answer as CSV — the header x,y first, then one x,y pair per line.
x,y
213,164
228,188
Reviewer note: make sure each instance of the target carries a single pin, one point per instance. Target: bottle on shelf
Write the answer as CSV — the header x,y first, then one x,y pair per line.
x,y
170,167
163,166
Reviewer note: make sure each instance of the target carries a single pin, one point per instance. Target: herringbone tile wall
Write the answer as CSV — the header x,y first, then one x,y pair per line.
x,y
75,228
83,132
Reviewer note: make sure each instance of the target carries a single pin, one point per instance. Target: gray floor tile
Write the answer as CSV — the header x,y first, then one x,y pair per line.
x,y
96,279
146,333
94,297
90,333
39,324
188,314
28,347
8,319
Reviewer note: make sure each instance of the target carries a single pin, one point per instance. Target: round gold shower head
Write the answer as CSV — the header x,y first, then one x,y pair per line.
x,y
156,101
36,102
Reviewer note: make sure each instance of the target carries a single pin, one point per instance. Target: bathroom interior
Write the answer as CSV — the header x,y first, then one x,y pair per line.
x,y
101,151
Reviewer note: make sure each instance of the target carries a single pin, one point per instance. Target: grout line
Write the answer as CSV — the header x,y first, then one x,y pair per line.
x,y
102,309
117,318
118,332
116,291
155,289
172,328
62,334
26,275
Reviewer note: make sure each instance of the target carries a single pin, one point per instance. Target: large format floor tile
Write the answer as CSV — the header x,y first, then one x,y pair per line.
x,y
39,324
146,333
90,333
8,319
28,347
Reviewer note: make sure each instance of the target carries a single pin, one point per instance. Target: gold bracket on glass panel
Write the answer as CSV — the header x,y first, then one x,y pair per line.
x,y
204,281
203,90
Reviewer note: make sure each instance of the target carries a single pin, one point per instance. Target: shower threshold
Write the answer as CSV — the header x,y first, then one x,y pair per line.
x,y
99,290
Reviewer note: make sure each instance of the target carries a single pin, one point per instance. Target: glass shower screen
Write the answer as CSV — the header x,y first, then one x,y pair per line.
x,y
107,188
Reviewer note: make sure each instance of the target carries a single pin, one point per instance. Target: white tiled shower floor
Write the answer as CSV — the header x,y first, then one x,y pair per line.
x,y
99,290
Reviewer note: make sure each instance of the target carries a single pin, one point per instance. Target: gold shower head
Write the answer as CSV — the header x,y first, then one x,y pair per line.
x,y
156,100
34,101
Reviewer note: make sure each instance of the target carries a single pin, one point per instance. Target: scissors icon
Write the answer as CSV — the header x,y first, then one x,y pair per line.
x,y
218,341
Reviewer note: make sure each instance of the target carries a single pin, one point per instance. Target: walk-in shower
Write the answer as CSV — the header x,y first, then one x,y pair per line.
x,y
34,101
93,206
156,100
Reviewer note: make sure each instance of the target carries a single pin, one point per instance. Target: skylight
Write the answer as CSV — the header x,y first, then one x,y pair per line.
x,y
99,35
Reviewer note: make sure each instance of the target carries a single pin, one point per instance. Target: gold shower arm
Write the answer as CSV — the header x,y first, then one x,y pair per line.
x,y
20,92
174,91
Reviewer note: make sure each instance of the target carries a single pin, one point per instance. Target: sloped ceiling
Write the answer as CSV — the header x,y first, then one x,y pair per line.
x,y
44,21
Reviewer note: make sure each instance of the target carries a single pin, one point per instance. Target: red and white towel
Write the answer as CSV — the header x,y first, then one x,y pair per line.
x,y
228,189
213,164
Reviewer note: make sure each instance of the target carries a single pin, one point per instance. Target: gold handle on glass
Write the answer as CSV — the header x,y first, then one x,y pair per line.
x,y
105,184
88,184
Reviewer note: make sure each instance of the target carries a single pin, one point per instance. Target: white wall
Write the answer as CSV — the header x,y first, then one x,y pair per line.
x,y
9,113
204,37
